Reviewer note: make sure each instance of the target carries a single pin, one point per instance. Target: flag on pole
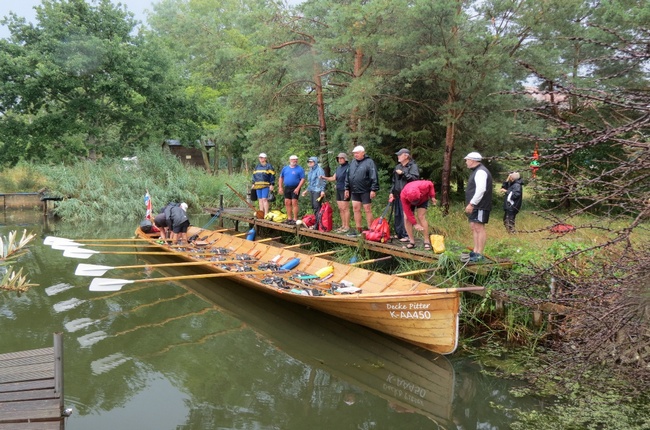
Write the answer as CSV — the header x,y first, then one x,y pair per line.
x,y
147,203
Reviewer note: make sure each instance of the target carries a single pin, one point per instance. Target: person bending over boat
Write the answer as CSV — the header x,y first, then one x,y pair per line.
x,y
180,223
263,182
415,196
292,177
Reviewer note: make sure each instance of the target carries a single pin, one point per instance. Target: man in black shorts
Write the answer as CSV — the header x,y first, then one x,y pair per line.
x,y
478,198
342,202
361,186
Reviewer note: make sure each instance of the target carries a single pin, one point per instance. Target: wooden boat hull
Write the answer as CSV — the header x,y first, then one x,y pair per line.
x,y
409,310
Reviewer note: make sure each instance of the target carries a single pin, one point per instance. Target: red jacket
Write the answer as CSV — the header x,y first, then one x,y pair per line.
x,y
414,194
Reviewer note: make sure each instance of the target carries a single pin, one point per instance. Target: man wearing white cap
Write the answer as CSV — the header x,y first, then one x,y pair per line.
x,y
292,178
361,186
478,198
263,182
179,223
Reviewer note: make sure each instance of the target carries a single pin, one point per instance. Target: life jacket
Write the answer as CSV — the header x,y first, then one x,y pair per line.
x,y
324,217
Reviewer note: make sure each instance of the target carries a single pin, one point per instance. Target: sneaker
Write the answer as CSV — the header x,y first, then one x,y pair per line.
x,y
341,230
352,233
476,258
464,257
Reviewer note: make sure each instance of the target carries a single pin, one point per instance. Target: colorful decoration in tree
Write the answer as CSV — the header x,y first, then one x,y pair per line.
x,y
534,165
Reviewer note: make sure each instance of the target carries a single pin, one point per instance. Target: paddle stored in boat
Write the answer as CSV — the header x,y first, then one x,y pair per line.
x,y
406,309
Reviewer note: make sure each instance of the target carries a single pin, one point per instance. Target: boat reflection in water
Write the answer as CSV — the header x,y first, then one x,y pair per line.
x,y
411,379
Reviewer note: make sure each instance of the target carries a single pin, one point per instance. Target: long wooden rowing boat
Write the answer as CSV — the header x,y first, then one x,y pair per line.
x,y
414,311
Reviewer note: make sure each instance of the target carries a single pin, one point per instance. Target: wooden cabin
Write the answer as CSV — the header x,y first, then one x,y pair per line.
x,y
189,155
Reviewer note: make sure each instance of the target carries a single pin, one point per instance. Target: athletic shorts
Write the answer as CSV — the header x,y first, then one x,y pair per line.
x,y
422,206
340,196
480,216
182,228
289,193
364,198
263,193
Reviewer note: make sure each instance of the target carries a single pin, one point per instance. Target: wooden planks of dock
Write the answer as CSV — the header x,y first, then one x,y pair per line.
x,y
31,394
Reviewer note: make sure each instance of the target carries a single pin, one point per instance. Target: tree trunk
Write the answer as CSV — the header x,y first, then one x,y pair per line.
x,y
322,124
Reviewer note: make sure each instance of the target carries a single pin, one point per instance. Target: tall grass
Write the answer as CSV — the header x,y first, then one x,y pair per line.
x,y
22,178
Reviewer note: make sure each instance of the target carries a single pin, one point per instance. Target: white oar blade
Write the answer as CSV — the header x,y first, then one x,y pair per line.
x,y
49,240
108,284
91,270
79,253
62,246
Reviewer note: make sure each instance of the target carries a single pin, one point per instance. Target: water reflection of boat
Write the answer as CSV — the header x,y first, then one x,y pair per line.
x,y
409,378
413,311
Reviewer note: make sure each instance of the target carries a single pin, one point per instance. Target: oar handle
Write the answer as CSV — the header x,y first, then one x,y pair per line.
x,y
359,263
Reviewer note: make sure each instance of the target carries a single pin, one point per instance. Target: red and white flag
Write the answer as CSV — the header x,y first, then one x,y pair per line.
x,y
147,203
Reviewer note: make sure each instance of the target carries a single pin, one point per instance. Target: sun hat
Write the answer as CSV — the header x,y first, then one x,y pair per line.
x,y
262,155
342,155
358,148
184,206
293,157
475,156
403,151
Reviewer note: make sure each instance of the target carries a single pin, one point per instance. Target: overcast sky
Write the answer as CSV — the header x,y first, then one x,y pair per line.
x,y
25,8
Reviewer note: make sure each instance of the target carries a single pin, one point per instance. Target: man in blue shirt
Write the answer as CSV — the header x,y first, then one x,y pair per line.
x,y
292,177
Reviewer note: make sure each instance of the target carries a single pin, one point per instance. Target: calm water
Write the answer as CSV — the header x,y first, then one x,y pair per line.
x,y
210,354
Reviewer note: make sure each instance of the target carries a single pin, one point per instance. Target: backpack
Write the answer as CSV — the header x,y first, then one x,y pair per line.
x,y
324,217
309,220
379,230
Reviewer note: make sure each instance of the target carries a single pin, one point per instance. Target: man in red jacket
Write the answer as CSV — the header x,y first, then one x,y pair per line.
x,y
416,195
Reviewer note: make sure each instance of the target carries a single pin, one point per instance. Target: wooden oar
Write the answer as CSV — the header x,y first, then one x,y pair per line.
x,y
360,263
87,253
109,284
320,254
417,272
259,214
98,270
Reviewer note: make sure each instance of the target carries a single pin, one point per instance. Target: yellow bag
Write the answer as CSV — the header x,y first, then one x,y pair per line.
x,y
276,216
437,243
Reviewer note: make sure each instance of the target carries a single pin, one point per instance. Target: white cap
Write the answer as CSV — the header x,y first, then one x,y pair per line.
x,y
293,157
475,156
262,155
358,148
184,206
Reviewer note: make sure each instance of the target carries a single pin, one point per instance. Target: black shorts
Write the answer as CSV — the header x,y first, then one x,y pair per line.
x,y
364,198
289,193
422,206
480,216
340,196
182,227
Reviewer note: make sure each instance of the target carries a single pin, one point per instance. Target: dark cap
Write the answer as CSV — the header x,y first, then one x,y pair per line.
x,y
403,151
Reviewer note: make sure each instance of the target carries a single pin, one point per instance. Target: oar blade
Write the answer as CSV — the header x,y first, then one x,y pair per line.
x,y
49,240
62,246
91,270
79,253
108,284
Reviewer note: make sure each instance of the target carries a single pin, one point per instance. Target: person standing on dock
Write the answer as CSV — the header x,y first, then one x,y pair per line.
x,y
361,186
415,197
478,198
342,202
512,190
315,184
263,182
404,172
292,178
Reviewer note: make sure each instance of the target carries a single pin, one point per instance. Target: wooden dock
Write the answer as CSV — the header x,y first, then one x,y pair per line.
x,y
31,388
391,248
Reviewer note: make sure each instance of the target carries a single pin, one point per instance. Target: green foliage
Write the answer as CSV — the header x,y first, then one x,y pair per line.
x,y
23,177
